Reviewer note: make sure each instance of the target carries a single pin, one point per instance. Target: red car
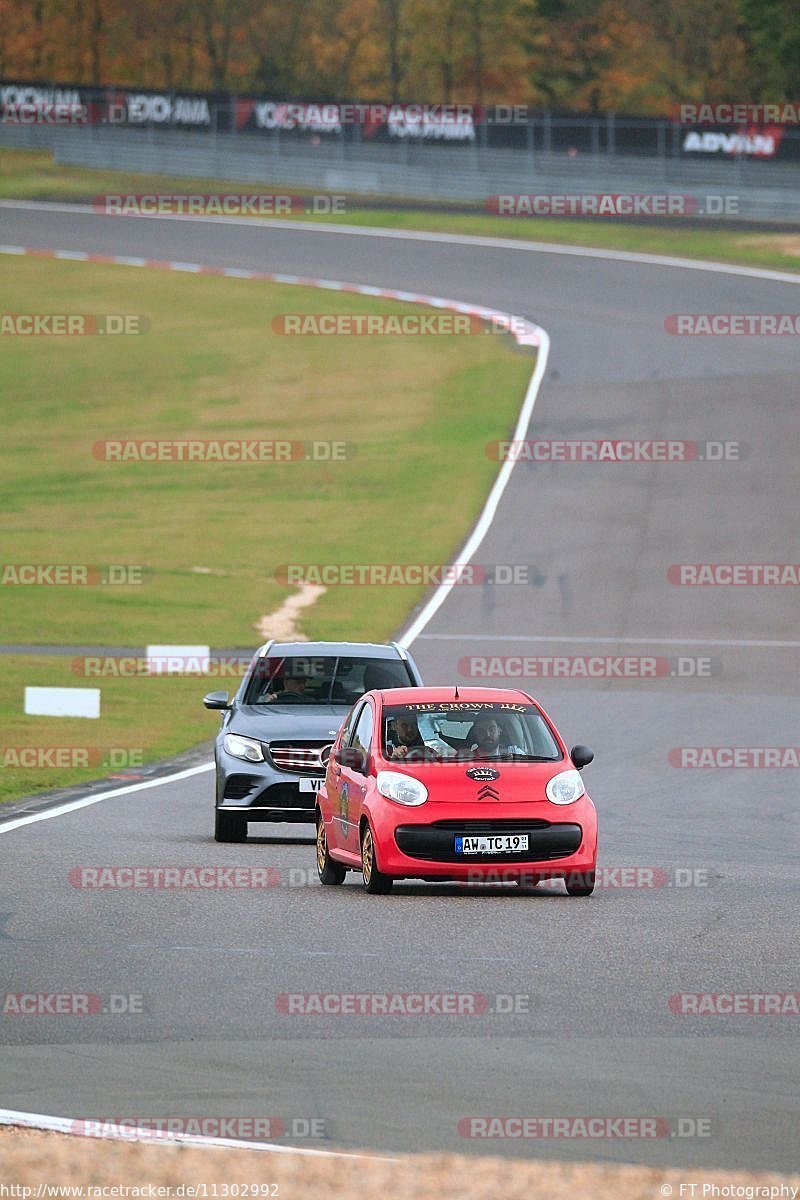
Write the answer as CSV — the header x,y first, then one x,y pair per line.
x,y
471,784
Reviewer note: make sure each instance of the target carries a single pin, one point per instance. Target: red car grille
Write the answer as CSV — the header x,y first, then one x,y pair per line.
x,y
435,843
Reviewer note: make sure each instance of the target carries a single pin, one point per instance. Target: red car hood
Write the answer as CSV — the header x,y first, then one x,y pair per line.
x,y
504,782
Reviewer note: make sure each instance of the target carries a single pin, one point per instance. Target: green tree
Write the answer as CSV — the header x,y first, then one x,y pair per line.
x,y
772,28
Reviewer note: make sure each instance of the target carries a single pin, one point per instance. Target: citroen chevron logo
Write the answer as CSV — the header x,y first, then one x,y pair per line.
x,y
488,793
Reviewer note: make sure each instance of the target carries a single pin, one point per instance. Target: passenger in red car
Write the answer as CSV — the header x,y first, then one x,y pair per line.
x,y
489,739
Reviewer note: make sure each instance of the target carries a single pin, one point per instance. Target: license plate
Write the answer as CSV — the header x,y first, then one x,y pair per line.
x,y
504,843
311,785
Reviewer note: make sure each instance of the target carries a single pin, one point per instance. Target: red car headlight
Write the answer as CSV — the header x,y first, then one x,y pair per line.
x,y
565,788
403,789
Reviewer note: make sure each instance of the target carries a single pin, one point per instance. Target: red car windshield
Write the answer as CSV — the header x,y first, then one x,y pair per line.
x,y
469,730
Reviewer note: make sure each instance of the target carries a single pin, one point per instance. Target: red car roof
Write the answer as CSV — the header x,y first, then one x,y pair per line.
x,y
435,695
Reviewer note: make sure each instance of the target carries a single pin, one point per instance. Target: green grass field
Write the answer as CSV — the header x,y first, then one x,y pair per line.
x,y
142,719
27,174
211,535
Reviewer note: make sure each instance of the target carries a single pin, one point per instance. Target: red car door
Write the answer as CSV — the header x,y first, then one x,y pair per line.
x,y
334,780
353,779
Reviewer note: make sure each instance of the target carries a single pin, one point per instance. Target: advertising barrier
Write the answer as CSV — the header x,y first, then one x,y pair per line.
x,y
688,133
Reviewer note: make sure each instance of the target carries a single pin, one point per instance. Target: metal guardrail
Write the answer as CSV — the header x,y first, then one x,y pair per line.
x,y
764,191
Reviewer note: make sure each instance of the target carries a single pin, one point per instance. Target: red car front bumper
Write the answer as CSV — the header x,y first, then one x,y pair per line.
x,y
420,842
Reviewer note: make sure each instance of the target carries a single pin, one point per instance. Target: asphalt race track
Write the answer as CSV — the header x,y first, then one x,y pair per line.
x,y
599,1036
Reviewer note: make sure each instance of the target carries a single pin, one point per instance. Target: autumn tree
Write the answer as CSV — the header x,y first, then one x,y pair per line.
x,y
772,31
574,55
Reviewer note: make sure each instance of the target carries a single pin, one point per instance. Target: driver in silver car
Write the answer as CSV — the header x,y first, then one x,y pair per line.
x,y
292,690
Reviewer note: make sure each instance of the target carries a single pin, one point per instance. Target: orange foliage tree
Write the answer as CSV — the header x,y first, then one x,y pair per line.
x,y
578,55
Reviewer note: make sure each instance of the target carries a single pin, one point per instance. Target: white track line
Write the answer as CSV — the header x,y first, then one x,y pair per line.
x,y
484,521
590,639
23,1120
88,801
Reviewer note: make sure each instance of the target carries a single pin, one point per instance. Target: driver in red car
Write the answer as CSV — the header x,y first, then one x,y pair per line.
x,y
406,739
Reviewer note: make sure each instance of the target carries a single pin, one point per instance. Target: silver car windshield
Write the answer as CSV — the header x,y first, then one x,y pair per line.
x,y
322,679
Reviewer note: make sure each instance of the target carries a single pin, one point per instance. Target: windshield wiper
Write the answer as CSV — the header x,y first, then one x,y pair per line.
x,y
510,756
533,757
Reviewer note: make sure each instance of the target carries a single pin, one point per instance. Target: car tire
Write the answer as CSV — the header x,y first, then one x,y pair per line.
x,y
330,872
229,827
375,882
584,888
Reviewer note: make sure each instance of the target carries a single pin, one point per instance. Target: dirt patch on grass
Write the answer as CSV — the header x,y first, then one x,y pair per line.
x,y
788,244
282,624
28,1158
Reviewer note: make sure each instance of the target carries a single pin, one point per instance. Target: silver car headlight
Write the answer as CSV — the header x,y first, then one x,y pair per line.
x,y
403,789
243,747
565,788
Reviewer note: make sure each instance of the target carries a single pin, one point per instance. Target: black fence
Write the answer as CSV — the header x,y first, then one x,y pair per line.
x,y
509,127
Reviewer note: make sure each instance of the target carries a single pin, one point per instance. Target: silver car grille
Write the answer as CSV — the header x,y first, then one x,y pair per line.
x,y
311,757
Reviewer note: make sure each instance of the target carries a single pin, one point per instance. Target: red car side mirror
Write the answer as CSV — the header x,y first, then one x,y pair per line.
x,y
352,757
